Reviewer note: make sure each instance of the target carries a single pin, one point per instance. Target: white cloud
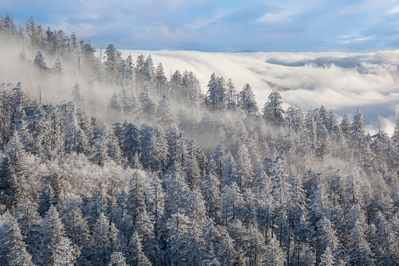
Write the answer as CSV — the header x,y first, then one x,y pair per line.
x,y
394,10
277,17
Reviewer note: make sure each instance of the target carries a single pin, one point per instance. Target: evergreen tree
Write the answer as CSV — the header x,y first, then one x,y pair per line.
x,y
40,61
15,246
244,168
273,112
29,222
178,226
53,235
64,253
163,113
117,259
247,101
274,254
210,189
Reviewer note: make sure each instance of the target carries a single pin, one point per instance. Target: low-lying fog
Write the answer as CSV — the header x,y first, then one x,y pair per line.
x,y
339,81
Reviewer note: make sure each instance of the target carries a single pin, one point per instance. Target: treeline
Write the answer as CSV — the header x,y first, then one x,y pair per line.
x,y
178,177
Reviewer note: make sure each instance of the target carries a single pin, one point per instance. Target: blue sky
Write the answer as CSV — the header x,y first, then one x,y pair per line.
x,y
221,25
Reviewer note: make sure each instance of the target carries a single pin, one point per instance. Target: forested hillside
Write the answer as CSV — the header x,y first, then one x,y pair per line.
x,y
107,161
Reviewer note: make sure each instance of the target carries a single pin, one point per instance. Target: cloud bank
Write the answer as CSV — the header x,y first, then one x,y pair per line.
x,y
339,81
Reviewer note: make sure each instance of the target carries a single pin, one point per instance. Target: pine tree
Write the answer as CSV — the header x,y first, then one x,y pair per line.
x,y
53,233
64,253
327,259
29,222
359,249
13,170
255,246
210,189
117,259
15,246
58,67
232,203
130,141
77,230
163,112
104,239
136,255
40,61
244,168
274,255
195,248
247,101
178,226
273,112
227,254
346,126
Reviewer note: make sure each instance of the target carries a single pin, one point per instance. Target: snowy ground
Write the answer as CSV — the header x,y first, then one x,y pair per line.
x,y
339,81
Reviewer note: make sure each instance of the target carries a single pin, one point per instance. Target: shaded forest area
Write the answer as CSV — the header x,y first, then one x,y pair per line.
x,y
106,161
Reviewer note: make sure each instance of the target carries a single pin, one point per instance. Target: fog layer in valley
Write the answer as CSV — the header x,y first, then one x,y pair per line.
x,y
339,81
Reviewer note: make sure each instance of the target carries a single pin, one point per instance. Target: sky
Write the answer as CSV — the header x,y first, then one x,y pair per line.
x,y
221,25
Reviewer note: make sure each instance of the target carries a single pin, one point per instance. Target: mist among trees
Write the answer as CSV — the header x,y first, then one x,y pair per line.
x,y
109,161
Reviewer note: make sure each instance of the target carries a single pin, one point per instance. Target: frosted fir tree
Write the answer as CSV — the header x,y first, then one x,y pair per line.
x,y
115,105
77,95
212,94
30,224
196,209
77,230
237,232
229,172
280,177
274,255
23,57
64,253
346,126
219,158
130,141
327,258
58,67
231,96
176,191
232,203
178,226
105,240
227,254
358,129
53,233
40,61
147,106
359,249
117,259
244,168
255,246
210,189
163,113
149,70
273,112
13,170
161,82
15,246
294,118
136,198
112,61
154,148
193,172
18,98
196,246
247,101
